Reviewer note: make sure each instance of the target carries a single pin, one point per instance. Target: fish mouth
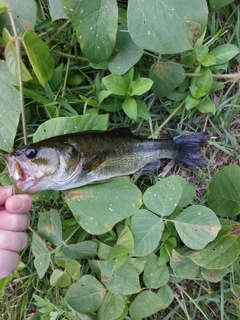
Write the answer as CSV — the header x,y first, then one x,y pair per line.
x,y
20,172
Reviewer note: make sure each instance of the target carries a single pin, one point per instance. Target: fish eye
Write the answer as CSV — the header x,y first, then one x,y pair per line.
x,y
31,153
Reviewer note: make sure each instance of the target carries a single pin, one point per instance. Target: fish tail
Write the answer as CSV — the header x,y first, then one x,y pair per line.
x,y
189,146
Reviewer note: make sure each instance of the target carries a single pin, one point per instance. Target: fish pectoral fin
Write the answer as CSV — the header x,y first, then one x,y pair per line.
x,y
149,167
94,162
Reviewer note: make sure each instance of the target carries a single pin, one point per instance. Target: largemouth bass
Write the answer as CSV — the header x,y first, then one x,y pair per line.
x,y
73,160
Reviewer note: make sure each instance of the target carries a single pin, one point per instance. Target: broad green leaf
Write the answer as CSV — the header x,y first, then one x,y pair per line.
x,y
87,295
189,192
39,56
82,250
206,106
214,275
24,16
142,109
138,263
12,63
224,53
3,6
145,304
197,226
191,102
167,26
41,254
73,269
102,95
224,192
221,252
166,76
204,82
50,227
140,86
124,280
96,26
197,92
208,60
130,107
9,108
183,267
124,245
166,294
215,5
56,10
116,84
112,307
147,229
59,278
163,197
201,52
155,275
128,53
62,125
97,208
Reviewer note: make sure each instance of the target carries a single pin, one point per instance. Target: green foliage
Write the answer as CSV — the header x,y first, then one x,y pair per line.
x,y
120,250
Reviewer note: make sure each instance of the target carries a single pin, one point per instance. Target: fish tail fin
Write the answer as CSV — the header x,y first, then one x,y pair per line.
x,y
189,146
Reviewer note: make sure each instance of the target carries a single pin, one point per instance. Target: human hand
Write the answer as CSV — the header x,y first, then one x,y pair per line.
x,y
13,220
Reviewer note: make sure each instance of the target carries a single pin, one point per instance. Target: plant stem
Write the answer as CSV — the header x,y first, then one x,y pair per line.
x,y
18,54
219,76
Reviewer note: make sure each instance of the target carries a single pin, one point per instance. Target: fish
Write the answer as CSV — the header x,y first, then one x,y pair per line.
x,y
77,159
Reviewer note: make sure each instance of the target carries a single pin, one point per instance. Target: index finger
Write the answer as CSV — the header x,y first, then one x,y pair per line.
x,y
5,193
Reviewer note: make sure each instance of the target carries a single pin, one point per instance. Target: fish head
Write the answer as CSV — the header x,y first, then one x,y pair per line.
x,y
40,167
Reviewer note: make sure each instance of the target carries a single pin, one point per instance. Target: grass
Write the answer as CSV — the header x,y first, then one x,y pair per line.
x,y
196,298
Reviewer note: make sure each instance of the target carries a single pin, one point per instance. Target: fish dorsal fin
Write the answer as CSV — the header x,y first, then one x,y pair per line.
x,y
124,130
94,162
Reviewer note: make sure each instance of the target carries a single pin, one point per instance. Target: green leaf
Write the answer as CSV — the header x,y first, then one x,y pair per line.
x,y
81,250
183,267
147,230
166,294
224,53
97,208
142,109
130,107
41,254
124,245
96,20
56,10
189,192
224,192
128,53
12,62
192,102
215,5
145,304
62,125
197,226
197,92
206,105
60,279
9,108
50,227
39,56
155,275
112,307
103,94
181,24
24,16
116,84
124,280
201,52
140,86
221,252
163,197
204,82
87,295
214,276
3,6
209,60
166,76
73,269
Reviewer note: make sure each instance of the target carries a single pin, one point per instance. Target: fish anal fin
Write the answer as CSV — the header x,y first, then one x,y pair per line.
x,y
94,162
149,167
